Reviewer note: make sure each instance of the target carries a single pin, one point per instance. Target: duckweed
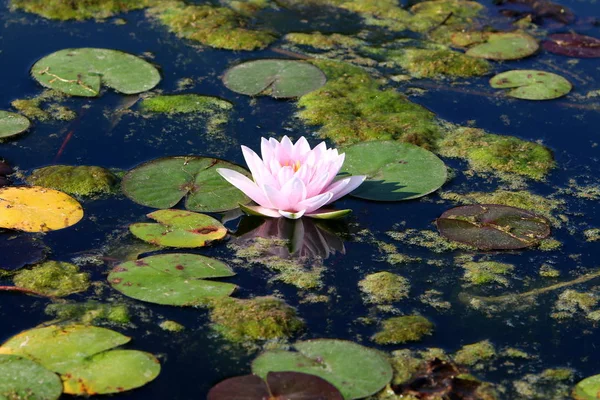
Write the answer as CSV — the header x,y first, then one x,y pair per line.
x,y
399,330
44,107
570,302
426,238
323,42
260,318
431,63
384,287
185,103
171,326
592,235
472,354
76,180
486,272
547,271
53,278
90,312
79,10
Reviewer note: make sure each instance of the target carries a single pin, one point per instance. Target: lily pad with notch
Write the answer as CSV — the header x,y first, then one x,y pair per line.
x,y
82,72
173,279
356,371
277,78
573,45
531,84
21,378
277,385
493,227
395,171
164,182
12,124
83,357
179,228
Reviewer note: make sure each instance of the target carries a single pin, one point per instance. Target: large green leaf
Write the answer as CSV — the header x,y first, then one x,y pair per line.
x,y
531,84
588,389
163,182
395,171
83,357
12,124
179,228
278,78
81,72
21,378
172,279
355,370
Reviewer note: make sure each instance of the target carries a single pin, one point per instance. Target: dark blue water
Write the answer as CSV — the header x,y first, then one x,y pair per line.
x,y
196,359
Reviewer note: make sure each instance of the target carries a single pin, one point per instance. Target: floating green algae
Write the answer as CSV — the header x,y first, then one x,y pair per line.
x,y
399,330
80,9
90,312
570,302
260,318
547,271
76,180
322,41
185,103
384,287
353,107
486,272
53,278
218,27
592,235
45,107
171,326
487,152
431,63
426,238
472,354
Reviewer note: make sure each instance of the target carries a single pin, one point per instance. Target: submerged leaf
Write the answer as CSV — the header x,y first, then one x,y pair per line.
x,y
531,84
37,209
12,124
277,78
82,72
493,227
573,45
172,279
21,378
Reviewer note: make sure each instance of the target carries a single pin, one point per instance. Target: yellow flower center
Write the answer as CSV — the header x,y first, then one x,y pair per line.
x,y
296,165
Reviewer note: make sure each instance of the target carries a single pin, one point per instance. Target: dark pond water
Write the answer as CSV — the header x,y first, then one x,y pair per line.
x,y
196,359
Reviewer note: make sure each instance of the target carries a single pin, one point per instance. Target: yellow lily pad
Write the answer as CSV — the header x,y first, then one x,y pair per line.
x,y
37,209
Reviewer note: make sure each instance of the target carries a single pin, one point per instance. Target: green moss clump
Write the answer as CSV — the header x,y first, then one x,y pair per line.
x,y
90,312
352,107
171,326
323,42
76,180
79,9
218,27
496,153
398,330
557,374
185,103
592,235
431,63
511,352
486,272
571,301
547,271
384,287
549,244
405,364
43,107
433,299
53,278
472,354
260,318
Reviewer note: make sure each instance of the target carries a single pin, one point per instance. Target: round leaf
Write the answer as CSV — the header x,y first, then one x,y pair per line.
x,y
356,371
573,45
493,227
587,389
179,228
19,250
37,209
111,372
12,124
81,72
21,378
277,78
163,182
280,385
395,171
505,46
531,84
172,279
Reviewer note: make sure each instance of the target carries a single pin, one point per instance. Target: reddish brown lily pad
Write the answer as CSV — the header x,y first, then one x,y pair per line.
x,y
493,227
278,386
573,45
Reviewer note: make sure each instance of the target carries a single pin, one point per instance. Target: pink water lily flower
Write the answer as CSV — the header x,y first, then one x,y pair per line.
x,y
292,180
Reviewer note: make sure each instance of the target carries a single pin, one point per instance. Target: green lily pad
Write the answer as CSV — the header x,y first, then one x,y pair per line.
x,y
354,370
277,78
12,124
83,357
587,389
395,171
498,46
164,182
531,84
21,378
179,228
493,227
172,279
81,72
